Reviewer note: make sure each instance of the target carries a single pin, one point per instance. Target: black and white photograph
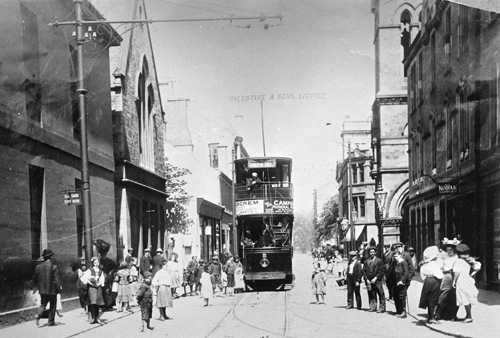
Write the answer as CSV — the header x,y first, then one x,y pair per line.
x,y
258,168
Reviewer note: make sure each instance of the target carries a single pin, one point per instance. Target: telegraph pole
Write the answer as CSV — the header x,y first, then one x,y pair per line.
x,y
81,92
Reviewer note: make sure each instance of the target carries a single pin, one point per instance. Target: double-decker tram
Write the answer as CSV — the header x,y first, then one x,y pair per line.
x,y
264,214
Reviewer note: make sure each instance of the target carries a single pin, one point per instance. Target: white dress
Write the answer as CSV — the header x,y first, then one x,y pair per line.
x,y
466,288
175,274
206,285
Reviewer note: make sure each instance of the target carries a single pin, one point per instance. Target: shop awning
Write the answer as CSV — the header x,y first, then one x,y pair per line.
x,y
358,231
209,209
485,5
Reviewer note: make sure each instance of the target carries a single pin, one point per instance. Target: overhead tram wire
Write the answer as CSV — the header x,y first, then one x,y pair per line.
x,y
194,7
237,8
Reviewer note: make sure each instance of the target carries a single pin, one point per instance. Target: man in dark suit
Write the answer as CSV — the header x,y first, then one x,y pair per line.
x,y
48,284
157,260
353,280
145,262
373,273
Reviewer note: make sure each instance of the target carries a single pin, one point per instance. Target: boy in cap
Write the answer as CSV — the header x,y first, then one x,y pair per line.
x,y
145,300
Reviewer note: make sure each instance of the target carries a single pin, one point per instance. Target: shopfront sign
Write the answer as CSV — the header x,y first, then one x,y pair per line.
x,y
447,189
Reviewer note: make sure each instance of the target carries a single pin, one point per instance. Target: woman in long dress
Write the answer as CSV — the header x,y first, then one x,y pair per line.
x,y
431,274
318,282
94,278
175,273
447,308
162,284
464,282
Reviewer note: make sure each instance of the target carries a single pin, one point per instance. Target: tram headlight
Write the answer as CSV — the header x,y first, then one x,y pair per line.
x,y
264,262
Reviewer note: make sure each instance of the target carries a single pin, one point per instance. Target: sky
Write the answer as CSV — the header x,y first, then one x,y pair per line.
x,y
315,66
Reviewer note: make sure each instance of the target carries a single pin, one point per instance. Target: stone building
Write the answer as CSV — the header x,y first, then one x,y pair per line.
x,y
138,132
454,130
396,25
356,186
40,147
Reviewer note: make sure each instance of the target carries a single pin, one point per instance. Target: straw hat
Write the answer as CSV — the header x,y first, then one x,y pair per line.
x,y
430,253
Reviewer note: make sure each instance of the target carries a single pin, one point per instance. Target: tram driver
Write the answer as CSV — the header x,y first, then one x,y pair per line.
x,y
266,236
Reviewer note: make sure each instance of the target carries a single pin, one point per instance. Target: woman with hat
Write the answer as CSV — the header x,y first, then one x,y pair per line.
x,y
464,282
447,308
431,274
94,278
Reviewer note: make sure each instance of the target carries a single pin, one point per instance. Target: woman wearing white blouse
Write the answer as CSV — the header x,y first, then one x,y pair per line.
x,y
94,279
161,284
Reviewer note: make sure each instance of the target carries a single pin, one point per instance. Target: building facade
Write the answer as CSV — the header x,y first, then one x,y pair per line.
x,y
356,187
396,25
454,132
40,148
139,127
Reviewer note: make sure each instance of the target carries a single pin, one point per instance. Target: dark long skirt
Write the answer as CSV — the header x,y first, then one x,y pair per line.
x,y
95,296
447,300
230,280
430,293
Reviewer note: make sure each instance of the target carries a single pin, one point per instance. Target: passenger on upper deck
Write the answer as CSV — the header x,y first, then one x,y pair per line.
x,y
253,182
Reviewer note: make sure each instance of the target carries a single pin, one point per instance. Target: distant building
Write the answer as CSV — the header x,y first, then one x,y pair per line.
x,y
356,200
396,26
454,130
40,148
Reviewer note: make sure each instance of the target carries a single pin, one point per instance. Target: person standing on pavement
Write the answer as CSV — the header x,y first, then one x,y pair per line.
x,y
128,258
175,273
207,290
239,278
216,274
413,256
161,284
447,307
48,284
157,259
192,267
353,280
318,282
464,282
124,293
402,276
145,300
230,269
145,262
389,263
197,276
94,278
373,273
399,247
431,274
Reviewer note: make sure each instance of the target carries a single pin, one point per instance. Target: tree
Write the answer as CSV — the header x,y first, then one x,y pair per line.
x,y
302,233
327,220
178,199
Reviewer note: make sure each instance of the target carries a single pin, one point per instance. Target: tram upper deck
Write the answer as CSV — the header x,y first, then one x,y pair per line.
x,y
263,178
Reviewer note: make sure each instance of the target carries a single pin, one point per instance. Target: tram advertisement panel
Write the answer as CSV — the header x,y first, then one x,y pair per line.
x,y
270,206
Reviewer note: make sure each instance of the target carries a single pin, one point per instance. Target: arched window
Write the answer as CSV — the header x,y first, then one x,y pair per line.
x,y
406,32
145,118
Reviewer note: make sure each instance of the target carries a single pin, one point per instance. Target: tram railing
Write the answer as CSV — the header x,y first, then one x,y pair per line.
x,y
265,190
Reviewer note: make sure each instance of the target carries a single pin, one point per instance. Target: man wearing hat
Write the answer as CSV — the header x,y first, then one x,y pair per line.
x,y
48,283
253,182
157,260
389,269
353,280
398,246
145,262
373,273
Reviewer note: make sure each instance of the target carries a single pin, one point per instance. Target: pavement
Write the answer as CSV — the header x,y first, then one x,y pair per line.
x,y
486,316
